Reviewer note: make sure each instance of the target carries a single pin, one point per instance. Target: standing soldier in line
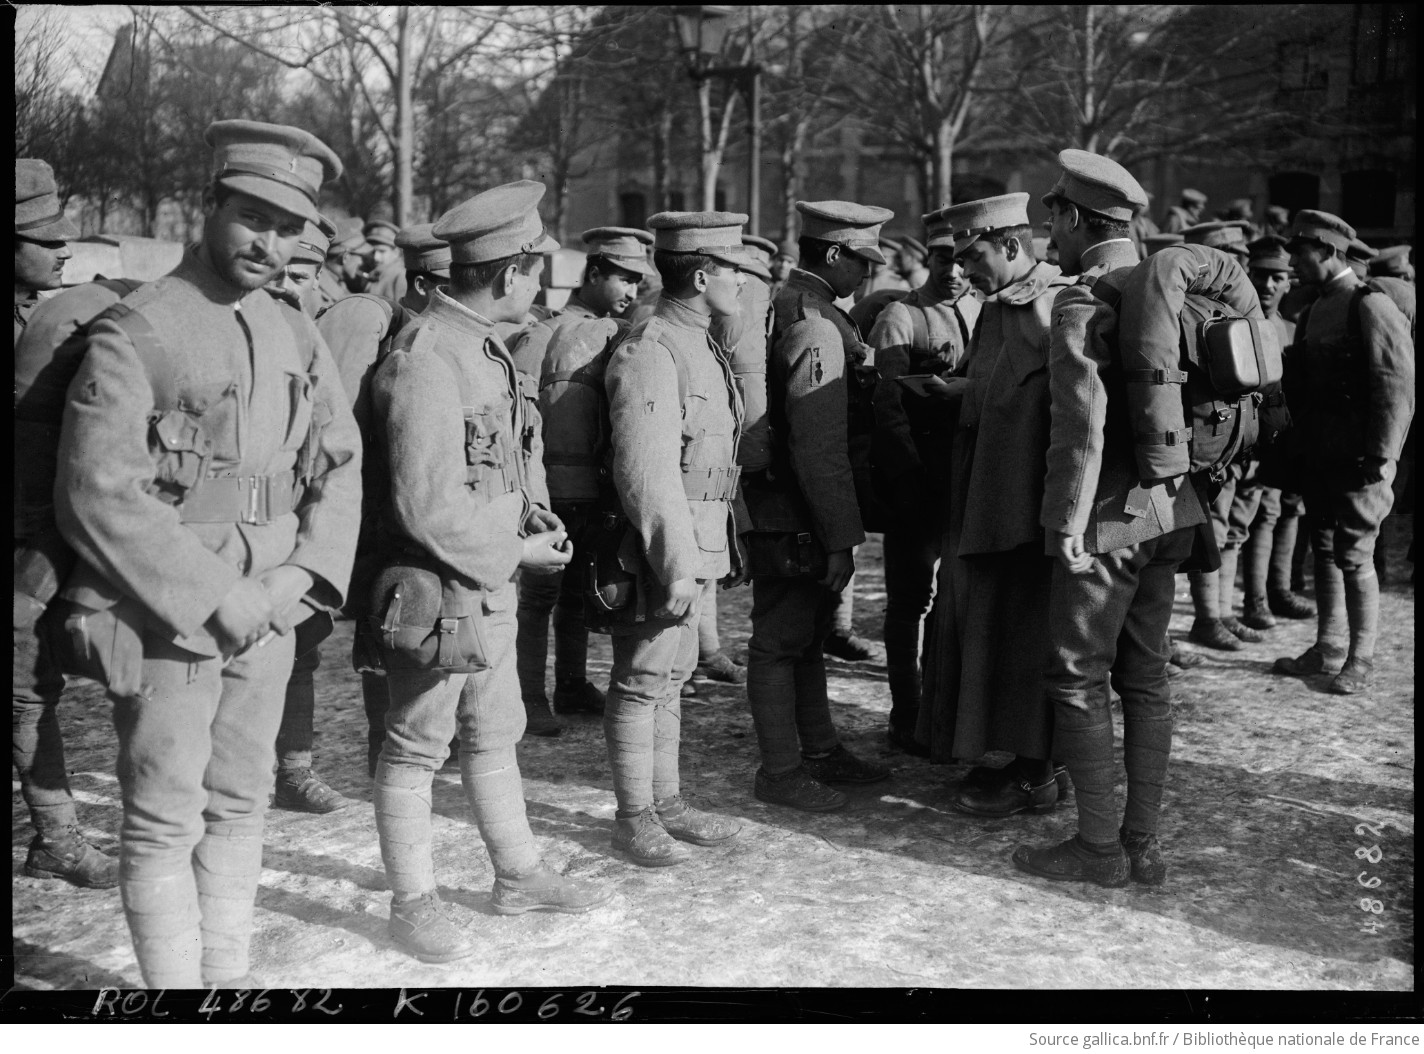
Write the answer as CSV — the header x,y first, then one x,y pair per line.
x,y
805,521
359,330
298,787
297,283
782,264
617,262
984,686
1272,533
926,332
1187,214
1352,395
342,274
1277,221
209,480
1142,229
1118,540
59,848
675,415
478,511
386,274
910,262
1359,255
884,275
1393,262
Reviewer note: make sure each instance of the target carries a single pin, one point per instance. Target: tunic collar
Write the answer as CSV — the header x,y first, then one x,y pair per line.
x,y
1028,288
679,314
575,306
197,272
811,283
451,312
1109,256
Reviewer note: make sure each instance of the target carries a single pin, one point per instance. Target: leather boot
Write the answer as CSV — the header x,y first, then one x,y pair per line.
x,y
62,852
544,889
1362,609
577,696
646,841
721,667
1145,854
902,668
538,721
1226,599
302,790
687,824
1075,861
420,926
1255,607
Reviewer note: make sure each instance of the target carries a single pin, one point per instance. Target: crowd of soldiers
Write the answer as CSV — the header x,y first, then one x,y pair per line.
x,y
308,419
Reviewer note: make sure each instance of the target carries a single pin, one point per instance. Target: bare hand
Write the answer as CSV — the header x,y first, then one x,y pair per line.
x,y
242,616
680,596
546,552
841,567
540,519
1072,554
286,585
1372,469
937,387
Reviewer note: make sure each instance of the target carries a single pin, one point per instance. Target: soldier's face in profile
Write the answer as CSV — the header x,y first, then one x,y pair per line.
x,y
610,291
1270,286
248,240
1062,235
781,267
526,288
847,271
723,282
946,277
382,254
1311,262
988,265
40,265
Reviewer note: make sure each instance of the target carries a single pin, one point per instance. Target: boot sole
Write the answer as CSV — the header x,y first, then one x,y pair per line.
x,y
694,840
829,807
1041,810
314,812
59,876
658,861
433,957
562,909
1057,877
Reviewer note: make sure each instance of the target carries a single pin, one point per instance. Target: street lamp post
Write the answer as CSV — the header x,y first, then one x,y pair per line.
x,y
702,30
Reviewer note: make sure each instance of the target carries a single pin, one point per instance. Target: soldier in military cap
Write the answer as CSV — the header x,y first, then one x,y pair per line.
x,y
297,282
805,520
1358,256
884,275
1275,520
477,511
42,234
1352,396
1118,541
924,332
1277,221
616,263
1187,214
1157,242
1142,229
1392,262
674,415
342,274
910,262
984,677
209,480
385,270
360,330
1230,236
59,848
786,258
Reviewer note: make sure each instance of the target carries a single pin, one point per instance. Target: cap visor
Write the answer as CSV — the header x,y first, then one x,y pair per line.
x,y
960,244
547,245
274,193
758,269
738,260
869,252
940,241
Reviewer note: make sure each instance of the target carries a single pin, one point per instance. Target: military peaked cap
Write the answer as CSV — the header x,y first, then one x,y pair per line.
x,y
38,214
939,231
627,247
1360,252
844,223
714,234
759,254
1227,235
1314,225
1268,253
975,218
1392,262
915,246
1194,197
314,241
1098,184
496,224
889,244
422,251
277,163
347,237
380,232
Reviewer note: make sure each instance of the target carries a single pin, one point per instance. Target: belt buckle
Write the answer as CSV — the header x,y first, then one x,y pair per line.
x,y
258,501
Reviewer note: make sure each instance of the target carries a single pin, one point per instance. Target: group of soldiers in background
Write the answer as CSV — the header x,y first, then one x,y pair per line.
x,y
307,418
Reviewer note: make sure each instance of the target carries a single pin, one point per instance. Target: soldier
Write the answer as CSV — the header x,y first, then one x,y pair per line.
x,y
296,284
359,330
1393,262
1187,214
1118,540
477,511
910,262
884,276
984,689
1270,544
59,848
1358,256
782,263
1352,396
209,466
675,415
1142,230
342,274
617,261
1277,221
805,522
1157,242
298,787
925,332
385,271
1230,236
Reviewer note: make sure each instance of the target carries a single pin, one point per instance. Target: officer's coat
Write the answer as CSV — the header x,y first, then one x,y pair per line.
x,y
242,364
655,434
807,368
1091,467
420,418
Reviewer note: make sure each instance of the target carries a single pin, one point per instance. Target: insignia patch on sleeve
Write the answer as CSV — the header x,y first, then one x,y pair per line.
x,y
817,373
649,406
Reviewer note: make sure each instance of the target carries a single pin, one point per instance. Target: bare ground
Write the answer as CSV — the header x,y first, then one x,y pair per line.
x,y
1271,780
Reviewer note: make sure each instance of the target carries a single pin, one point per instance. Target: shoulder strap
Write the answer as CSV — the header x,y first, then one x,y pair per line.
x,y
1105,292
166,373
919,326
425,340
1354,328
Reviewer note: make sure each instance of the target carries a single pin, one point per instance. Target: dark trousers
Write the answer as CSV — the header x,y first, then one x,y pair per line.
x,y
560,595
912,550
1109,630
37,748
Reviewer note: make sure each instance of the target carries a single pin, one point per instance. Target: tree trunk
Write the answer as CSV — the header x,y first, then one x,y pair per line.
x,y
943,165
711,159
792,174
662,161
405,122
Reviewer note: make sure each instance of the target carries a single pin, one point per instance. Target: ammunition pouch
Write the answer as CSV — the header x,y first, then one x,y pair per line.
x,y
102,644
784,554
615,578
427,618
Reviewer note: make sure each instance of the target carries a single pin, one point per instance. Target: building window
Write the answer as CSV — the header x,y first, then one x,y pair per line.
x,y
677,201
719,199
1294,191
1367,198
633,207
1384,36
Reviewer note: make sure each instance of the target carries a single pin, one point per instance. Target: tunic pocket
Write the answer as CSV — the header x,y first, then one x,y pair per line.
x,y
299,409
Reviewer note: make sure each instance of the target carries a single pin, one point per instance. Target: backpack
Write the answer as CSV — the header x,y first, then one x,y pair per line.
x,y
1226,365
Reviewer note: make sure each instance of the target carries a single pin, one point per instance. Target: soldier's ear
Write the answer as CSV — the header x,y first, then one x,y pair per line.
x,y
833,253
210,199
507,278
699,280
